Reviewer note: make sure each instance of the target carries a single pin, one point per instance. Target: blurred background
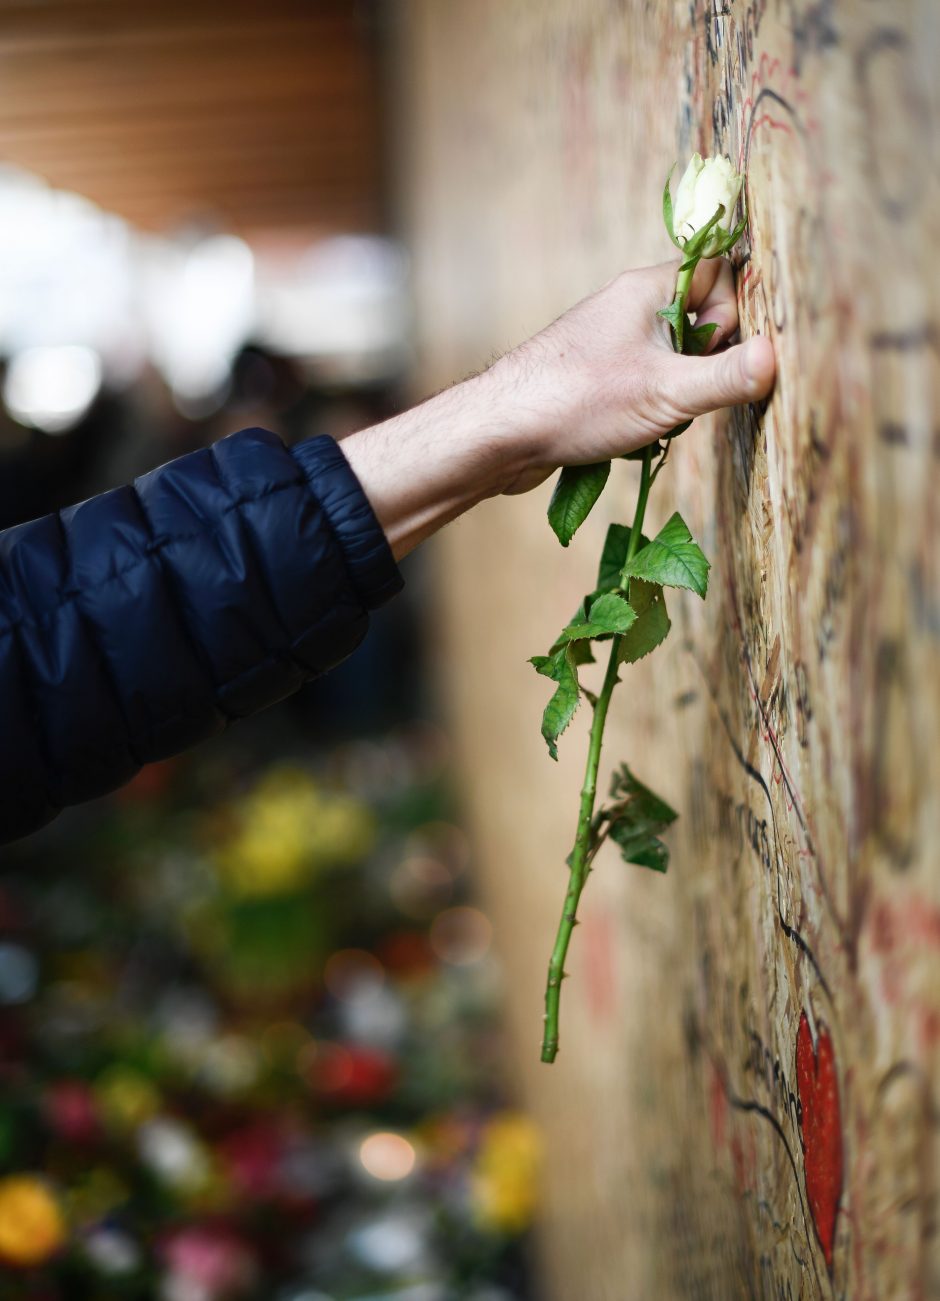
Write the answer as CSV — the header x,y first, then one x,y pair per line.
x,y
250,1039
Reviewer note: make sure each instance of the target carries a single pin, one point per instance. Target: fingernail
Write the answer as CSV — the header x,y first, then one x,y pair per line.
x,y
747,365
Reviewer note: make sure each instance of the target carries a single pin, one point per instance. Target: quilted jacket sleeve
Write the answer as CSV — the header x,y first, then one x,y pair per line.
x,y
140,622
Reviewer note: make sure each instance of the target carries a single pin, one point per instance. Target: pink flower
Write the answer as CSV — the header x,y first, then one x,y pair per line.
x,y
212,1258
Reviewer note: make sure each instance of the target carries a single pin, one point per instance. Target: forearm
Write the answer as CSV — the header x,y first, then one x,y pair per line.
x,y
428,465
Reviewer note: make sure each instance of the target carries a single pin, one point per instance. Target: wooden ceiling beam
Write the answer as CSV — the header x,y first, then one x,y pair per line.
x,y
159,109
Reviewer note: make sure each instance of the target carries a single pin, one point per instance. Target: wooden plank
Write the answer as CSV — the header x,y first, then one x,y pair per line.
x,y
746,1100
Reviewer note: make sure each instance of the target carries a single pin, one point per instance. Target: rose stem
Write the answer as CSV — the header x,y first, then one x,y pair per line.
x,y
582,844
579,868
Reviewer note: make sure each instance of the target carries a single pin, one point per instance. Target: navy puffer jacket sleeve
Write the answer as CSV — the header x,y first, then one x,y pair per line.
x,y
140,622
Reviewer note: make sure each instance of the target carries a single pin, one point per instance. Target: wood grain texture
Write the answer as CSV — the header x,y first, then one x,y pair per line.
x,y
746,1099
244,115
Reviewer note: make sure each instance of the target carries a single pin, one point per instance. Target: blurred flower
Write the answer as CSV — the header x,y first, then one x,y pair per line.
x,y
206,1262
252,1156
349,1074
445,1138
504,1178
112,1252
126,1097
395,1243
97,1193
231,1065
71,1111
32,1226
286,831
186,1020
175,1155
407,954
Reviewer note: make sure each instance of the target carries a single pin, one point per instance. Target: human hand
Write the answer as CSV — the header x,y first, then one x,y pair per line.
x,y
600,381
603,379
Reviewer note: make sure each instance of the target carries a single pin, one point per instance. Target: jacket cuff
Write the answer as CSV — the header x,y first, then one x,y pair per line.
x,y
372,568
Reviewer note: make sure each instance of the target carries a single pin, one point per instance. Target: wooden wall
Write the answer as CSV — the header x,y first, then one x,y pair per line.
x,y
745,1102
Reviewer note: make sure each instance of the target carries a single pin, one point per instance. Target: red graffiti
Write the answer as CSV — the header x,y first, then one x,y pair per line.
x,y
820,1130
597,939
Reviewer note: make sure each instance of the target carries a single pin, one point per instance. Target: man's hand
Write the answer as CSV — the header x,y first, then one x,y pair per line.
x,y
600,381
607,368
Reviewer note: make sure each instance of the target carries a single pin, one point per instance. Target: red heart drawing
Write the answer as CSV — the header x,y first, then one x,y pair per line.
x,y
820,1130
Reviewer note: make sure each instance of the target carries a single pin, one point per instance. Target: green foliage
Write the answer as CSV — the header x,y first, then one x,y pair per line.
x,y
580,650
675,315
652,622
639,453
697,339
636,821
672,559
610,613
735,234
576,491
560,710
614,556
693,247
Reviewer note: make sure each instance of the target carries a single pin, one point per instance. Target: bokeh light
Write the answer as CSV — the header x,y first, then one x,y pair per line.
x,y
387,1156
52,388
461,936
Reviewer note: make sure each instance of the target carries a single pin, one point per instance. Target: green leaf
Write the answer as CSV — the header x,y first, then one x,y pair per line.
x,y
698,337
639,452
636,821
673,314
672,559
560,710
614,556
581,650
679,429
735,234
698,241
667,208
644,851
576,491
652,622
626,788
610,614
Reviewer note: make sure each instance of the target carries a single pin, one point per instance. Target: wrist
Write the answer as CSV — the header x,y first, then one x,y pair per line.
x,y
428,465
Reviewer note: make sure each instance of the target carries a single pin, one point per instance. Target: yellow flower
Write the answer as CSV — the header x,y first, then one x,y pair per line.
x,y
504,1178
32,1227
286,830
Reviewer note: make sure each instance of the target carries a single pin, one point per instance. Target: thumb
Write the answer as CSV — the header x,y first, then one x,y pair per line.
x,y
744,373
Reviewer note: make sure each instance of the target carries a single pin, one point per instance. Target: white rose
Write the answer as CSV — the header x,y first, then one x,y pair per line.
x,y
707,183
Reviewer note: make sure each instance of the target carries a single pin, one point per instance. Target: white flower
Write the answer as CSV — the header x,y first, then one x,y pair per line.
x,y
707,183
